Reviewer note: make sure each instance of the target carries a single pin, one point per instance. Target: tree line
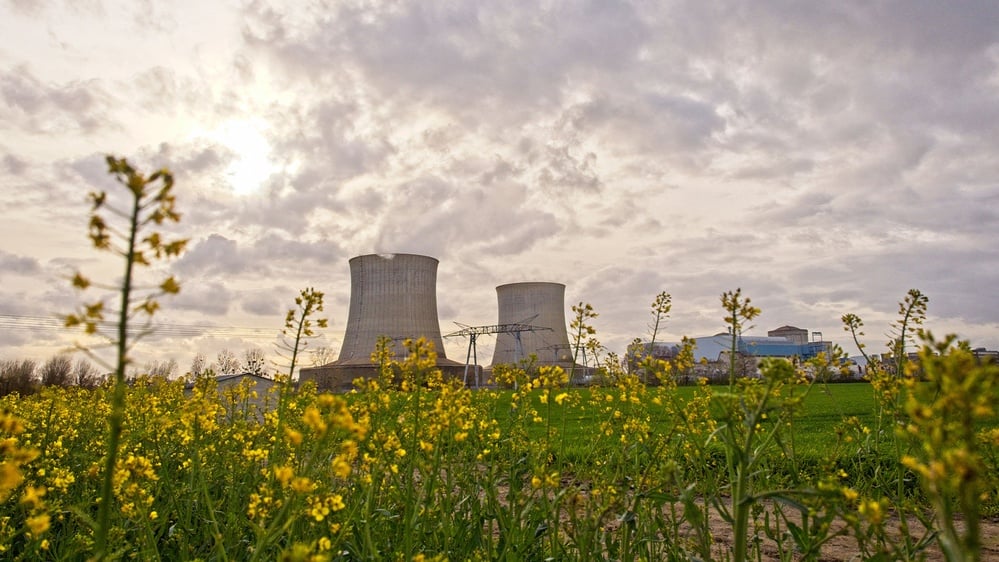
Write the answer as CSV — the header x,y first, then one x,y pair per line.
x,y
27,376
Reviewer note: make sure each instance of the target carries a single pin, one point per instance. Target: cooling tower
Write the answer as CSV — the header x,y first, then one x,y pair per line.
x,y
538,304
391,295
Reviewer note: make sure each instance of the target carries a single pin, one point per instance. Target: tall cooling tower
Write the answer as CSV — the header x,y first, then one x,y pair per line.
x,y
538,304
391,295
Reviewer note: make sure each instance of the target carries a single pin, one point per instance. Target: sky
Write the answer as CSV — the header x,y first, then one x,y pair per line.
x,y
824,157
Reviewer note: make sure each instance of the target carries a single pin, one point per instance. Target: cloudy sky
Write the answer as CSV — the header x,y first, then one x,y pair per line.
x,y
823,156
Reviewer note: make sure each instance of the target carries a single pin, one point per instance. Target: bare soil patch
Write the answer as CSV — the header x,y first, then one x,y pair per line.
x,y
844,548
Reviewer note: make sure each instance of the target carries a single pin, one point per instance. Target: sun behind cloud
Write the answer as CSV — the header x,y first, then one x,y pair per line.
x,y
252,162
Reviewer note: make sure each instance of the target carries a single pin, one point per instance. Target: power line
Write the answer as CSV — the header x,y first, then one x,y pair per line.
x,y
165,329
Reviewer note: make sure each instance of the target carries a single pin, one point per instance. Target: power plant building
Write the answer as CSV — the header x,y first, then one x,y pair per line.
x,y
393,296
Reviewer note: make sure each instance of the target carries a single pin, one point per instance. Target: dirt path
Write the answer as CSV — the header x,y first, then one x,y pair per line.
x,y
844,548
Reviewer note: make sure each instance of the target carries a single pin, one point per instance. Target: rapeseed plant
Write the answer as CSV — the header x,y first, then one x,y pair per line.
x,y
150,205
943,417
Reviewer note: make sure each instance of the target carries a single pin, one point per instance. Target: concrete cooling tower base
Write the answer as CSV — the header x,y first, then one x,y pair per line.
x,y
339,376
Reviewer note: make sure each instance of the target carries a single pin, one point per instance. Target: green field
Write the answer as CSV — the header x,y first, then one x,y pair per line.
x,y
824,408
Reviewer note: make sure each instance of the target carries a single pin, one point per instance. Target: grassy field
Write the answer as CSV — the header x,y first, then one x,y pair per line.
x,y
825,407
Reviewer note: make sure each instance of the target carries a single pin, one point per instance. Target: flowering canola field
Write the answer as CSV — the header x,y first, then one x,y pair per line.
x,y
414,467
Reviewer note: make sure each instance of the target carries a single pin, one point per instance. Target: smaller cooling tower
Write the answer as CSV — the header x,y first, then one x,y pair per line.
x,y
391,295
538,304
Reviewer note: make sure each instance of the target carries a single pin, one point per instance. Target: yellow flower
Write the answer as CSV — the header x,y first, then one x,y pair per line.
x,y
38,523
10,478
872,511
294,437
302,485
335,502
284,474
341,467
33,497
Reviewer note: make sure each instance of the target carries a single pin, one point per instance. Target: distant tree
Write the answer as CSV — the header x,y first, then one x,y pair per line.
x,y
165,369
17,376
225,363
254,361
57,371
322,355
198,366
85,375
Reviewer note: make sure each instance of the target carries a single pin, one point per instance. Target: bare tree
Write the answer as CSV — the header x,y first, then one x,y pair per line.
x,y
198,366
225,363
57,371
254,361
85,375
161,369
322,355
17,376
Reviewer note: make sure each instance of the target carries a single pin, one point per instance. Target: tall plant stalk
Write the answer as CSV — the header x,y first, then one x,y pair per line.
x,y
151,203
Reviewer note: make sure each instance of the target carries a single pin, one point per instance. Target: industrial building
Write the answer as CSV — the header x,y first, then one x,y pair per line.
x,y
391,295
716,348
711,353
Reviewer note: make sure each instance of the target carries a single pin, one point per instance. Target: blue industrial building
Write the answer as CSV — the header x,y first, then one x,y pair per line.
x,y
792,342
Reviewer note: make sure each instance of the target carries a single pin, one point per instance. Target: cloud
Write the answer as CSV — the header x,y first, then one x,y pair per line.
x,y
14,165
211,298
214,256
20,265
823,157
275,249
262,307
40,108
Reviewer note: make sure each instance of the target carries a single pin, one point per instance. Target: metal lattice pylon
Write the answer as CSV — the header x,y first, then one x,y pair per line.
x,y
472,332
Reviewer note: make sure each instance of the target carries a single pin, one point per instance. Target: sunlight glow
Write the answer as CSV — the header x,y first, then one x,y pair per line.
x,y
252,164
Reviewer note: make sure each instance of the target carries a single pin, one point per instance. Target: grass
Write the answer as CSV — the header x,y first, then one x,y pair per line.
x,y
824,408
